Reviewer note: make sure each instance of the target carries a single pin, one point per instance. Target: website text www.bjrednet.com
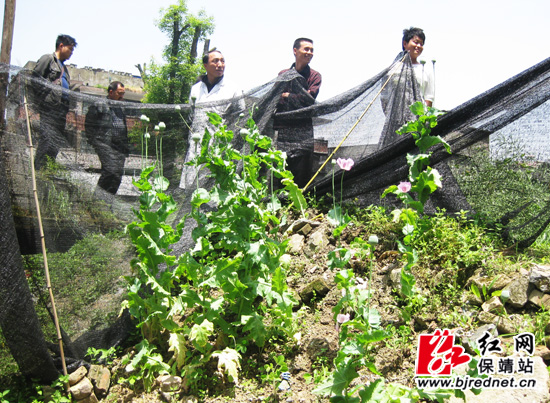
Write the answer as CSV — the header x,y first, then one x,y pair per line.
x,y
465,382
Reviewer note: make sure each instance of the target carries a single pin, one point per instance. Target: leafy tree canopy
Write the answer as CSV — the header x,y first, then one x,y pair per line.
x,y
171,82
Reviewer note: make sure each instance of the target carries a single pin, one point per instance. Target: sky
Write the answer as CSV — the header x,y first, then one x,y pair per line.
x,y
477,44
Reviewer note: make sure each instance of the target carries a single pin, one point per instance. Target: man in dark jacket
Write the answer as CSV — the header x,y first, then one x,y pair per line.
x,y
107,132
52,98
295,135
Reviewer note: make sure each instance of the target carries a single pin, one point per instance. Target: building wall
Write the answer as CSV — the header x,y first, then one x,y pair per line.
x,y
96,77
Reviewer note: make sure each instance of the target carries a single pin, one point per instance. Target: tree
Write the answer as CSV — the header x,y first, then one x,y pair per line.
x,y
171,82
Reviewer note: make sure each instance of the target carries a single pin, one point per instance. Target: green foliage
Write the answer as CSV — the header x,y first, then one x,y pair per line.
x,y
82,277
513,182
144,366
359,325
59,395
539,323
321,370
232,283
101,356
424,180
272,371
449,250
33,392
3,396
171,82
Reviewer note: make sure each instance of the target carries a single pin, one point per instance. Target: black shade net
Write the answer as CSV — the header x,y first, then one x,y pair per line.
x,y
88,149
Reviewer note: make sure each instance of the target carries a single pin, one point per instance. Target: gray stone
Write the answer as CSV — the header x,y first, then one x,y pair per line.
x,y
491,283
395,280
470,298
82,389
487,318
169,383
90,399
295,244
101,379
284,385
542,352
77,375
94,371
504,324
317,241
539,299
517,290
306,229
511,324
299,225
540,277
318,288
493,305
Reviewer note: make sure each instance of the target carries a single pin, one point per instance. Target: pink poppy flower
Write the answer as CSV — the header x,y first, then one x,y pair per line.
x,y
404,186
341,318
345,164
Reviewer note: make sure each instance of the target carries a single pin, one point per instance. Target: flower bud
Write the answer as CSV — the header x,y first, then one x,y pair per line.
x,y
177,107
144,118
162,126
285,260
147,135
196,137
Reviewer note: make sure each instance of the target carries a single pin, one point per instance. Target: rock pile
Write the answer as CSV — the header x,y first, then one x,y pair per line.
x,y
89,386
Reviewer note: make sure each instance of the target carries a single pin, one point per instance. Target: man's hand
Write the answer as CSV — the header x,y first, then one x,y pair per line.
x,y
285,94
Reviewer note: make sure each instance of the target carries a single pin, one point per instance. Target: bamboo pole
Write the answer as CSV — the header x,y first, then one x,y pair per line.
x,y
43,242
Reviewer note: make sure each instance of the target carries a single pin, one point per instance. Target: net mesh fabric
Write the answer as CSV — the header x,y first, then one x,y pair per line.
x,y
506,127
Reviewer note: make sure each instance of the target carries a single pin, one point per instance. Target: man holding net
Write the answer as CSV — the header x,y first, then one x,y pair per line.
x,y
295,135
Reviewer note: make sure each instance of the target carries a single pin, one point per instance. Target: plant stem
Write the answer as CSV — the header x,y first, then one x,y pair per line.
x,y
341,196
333,191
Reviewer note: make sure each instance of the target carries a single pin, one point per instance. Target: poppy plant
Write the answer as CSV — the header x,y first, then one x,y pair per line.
x,y
345,164
404,186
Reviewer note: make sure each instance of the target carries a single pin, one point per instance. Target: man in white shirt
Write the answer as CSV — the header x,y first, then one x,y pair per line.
x,y
212,85
207,95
